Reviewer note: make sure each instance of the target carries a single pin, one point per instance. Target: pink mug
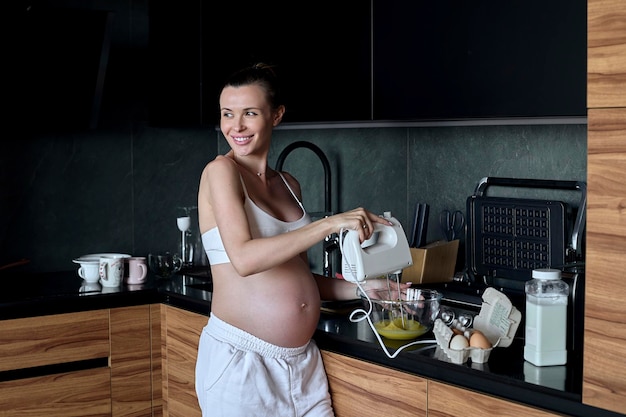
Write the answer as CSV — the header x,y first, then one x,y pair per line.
x,y
137,270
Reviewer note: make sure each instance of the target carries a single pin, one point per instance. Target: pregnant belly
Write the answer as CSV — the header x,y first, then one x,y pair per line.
x,y
280,306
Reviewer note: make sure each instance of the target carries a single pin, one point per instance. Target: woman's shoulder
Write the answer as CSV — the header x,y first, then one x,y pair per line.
x,y
221,166
221,163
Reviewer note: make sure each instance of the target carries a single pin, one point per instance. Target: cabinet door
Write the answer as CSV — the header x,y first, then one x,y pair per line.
x,y
181,337
448,401
606,53
321,50
450,59
131,376
604,384
175,71
363,389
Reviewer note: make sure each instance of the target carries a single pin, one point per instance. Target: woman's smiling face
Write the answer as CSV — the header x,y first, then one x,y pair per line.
x,y
247,118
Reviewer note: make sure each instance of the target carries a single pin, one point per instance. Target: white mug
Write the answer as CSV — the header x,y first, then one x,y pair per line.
x,y
89,271
111,271
137,270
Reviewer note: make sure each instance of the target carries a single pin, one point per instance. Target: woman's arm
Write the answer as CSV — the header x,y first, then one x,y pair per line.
x,y
249,256
340,289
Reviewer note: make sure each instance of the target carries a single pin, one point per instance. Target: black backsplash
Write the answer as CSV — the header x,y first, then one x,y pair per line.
x,y
63,196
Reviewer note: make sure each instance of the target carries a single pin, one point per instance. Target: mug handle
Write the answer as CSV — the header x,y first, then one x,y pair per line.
x,y
81,273
144,270
103,271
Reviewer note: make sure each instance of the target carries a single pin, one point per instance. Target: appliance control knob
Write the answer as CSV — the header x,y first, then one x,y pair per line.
x,y
447,316
466,320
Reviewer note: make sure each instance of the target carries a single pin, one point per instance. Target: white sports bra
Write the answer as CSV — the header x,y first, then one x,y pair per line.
x,y
261,225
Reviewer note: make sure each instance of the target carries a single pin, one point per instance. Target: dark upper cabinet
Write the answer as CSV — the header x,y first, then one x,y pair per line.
x,y
452,59
175,69
57,62
320,50
322,53
358,60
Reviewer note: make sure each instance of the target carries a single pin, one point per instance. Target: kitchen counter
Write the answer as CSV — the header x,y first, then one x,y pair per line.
x,y
505,375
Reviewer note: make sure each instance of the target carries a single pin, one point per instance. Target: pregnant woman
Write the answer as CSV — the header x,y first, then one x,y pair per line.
x,y
256,356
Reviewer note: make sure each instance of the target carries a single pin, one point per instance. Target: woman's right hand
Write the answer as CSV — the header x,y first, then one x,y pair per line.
x,y
358,219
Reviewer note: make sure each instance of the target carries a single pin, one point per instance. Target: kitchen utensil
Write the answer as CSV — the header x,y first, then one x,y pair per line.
x,y
137,270
89,270
111,271
184,223
97,256
164,265
406,316
420,222
387,251
451,224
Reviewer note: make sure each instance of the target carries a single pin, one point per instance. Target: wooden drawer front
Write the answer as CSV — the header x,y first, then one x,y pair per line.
x,y
77,394
362,389
37,341
448,401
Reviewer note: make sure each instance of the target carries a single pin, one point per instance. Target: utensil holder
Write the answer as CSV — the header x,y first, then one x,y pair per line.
x,y
434,262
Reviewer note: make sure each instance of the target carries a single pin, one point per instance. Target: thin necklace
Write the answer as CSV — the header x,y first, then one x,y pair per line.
x,y
258,173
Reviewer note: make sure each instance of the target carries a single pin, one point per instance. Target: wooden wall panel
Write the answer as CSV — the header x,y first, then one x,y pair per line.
x,y
604,384
606,53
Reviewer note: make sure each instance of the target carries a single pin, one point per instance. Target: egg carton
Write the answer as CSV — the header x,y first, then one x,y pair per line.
x,y
498,320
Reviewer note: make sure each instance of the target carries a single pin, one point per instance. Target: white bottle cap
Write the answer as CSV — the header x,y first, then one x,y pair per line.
x,y
546,273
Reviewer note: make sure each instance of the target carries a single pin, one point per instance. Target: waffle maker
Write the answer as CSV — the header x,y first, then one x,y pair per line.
x,y
506,238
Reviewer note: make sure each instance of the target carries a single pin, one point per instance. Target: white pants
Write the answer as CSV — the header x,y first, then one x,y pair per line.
x,y
238,374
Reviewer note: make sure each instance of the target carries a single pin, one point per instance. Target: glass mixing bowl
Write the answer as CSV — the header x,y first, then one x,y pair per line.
x,y
406,317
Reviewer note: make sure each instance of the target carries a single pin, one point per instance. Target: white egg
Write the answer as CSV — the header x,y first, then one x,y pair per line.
x,y
458,342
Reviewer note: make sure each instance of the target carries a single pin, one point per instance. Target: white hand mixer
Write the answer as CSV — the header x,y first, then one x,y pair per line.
x,y
386,253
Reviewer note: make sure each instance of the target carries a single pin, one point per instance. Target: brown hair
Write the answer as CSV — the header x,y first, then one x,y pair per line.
x,y
261,74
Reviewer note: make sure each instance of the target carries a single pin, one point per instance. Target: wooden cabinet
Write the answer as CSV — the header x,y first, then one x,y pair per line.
x,y
40,360
449,401
90,363
362,389
180,334
604,385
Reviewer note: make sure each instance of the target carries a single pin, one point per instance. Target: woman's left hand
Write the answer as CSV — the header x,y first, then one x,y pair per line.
x,y
373,286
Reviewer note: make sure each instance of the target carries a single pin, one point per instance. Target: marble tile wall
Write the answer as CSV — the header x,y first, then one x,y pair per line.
x,y
63,196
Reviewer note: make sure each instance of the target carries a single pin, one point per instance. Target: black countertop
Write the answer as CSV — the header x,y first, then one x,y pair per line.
x,y
505,375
